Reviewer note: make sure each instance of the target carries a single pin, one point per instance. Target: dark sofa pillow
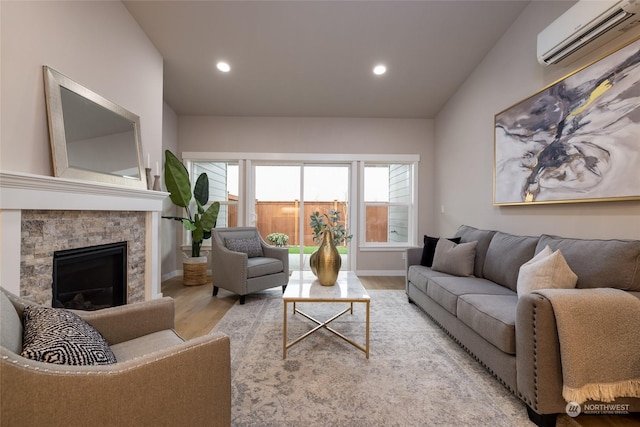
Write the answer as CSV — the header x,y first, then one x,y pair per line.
x,y
429,249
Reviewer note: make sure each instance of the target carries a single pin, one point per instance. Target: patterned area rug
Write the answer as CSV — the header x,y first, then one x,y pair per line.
x,y
415,376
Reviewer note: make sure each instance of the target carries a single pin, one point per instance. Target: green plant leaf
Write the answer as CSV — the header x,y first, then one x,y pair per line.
x,y
198,233
199,208
201,189
188,224
210,216
176,179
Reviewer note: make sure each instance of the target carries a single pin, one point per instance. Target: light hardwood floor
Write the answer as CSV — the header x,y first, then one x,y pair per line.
x,y
197,312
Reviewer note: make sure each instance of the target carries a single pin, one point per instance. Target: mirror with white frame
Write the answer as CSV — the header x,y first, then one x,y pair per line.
x,y
91,138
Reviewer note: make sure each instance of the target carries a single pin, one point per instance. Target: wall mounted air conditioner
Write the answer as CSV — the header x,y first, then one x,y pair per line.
x,y
587,23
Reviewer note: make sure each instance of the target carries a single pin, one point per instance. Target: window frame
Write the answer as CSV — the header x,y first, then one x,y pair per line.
x,y
412,215
357,207
190,166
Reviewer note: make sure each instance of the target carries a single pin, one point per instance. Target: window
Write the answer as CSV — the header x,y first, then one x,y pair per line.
x,y
223,188
385,188
388,206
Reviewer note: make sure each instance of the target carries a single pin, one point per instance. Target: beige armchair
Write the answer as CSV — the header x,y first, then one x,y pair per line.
x,y
158,379
242,262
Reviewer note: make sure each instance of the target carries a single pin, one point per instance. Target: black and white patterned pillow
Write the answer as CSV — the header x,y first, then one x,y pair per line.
x,y
59,336
249,245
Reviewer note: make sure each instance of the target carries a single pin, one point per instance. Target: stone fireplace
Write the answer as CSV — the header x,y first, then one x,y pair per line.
x,y
40,215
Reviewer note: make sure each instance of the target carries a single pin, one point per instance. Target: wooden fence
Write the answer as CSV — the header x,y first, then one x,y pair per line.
x,y
284,217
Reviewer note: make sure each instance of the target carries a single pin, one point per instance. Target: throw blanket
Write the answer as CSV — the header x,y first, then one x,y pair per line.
x,y
599,332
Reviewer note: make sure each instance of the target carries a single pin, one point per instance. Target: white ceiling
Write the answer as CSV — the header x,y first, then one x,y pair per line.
x,y
315,58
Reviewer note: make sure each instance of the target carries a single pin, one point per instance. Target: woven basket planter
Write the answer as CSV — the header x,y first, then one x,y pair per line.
x,y
194,271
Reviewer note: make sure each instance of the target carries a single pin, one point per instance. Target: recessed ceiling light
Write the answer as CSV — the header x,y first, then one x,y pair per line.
x,y
379,70
223,66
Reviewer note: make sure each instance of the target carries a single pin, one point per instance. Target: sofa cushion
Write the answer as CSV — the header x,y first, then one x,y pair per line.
x,y
505,255
483,237
10,325
600,263
429,249
262,266
493,317
456,259
146,344
419,276
248,245
446,290
546,270
59,336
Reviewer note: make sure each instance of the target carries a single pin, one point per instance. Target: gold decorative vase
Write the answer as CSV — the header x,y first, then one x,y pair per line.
x,y
325,262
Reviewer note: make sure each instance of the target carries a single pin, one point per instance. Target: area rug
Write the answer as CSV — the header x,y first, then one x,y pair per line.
x,y
415,376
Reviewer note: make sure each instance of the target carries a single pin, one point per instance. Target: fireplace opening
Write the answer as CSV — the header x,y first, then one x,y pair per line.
x,y
90,278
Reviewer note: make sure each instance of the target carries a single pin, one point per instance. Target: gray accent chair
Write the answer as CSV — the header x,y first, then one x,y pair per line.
x,y
243,274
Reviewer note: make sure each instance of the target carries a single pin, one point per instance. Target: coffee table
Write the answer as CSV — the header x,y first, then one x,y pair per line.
x,y
303,287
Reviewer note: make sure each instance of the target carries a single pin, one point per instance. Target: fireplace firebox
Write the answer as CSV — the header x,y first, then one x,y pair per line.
x,y
90,278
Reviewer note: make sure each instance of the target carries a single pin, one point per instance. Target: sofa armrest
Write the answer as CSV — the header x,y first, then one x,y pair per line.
x,y
414,255
125,322
538,363
187,384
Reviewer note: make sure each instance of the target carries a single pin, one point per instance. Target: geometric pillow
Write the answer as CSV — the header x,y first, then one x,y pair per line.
x,y
429,249
59,336
249,245
546,270
457,260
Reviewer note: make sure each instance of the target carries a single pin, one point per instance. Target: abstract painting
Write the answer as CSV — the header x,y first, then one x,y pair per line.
x,y
577,140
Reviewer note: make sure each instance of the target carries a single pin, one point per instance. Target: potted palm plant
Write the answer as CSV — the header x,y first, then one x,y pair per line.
x,y
198,220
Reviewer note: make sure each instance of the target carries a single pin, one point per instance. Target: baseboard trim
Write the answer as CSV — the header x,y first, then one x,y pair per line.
x,y
380,273
171,275
175,273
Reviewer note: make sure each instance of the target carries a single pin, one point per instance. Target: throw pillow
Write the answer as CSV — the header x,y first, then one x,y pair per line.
x,y
248,245
455,259
429,249
59,336
546,270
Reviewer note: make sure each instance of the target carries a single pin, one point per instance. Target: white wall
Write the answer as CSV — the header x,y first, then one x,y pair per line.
x,y
464,148
169,229
323,135
97,44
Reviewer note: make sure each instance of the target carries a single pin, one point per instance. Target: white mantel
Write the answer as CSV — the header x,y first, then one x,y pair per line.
x,y
23,191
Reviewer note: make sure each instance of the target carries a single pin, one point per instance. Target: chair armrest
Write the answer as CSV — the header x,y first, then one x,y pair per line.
x,y
229,269
187,384
278,253
538,363
125,322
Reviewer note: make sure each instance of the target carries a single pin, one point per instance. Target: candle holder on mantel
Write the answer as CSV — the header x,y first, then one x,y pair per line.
x,y
148,172
156,182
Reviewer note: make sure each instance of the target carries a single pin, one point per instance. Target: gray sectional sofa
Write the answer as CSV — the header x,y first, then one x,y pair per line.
x,y
516,338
